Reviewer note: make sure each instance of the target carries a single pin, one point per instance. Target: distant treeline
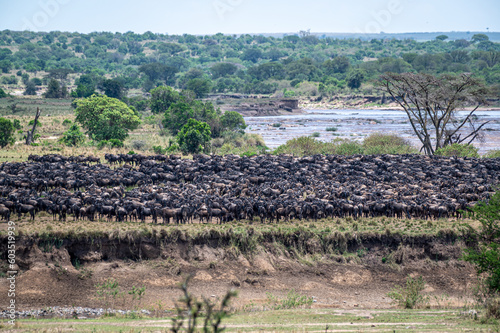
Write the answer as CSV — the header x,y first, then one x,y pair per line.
x,y
302,64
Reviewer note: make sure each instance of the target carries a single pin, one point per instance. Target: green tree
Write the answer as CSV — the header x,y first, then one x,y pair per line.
x,y
201,87
54,90
162,98
485,250
441,37
479,38
105,118
337,65
233,121
30,88
177,116
2,93
355,78
73,136
194,136
223,69
431,105
113,88
6,132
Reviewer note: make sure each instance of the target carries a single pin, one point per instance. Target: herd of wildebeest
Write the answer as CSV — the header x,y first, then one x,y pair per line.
x,y
161,189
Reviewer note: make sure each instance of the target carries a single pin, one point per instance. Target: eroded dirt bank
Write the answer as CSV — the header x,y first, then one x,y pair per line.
x,y
338,270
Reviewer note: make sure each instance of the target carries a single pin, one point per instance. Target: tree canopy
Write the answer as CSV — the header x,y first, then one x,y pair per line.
x,y
431,104
194,136
105,118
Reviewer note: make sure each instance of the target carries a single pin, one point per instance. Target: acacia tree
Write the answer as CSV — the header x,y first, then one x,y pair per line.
x,y
106,118
432,103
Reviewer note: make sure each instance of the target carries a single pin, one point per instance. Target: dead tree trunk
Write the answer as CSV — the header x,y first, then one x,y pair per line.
x,y
30,134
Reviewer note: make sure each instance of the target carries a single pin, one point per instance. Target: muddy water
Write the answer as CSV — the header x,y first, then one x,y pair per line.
x,y
355,125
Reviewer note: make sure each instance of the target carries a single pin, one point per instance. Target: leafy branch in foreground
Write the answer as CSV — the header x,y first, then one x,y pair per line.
x,y
485,252
191,309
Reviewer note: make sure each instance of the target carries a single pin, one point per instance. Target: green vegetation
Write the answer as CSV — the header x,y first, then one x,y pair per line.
x,y
194,136
194,308
457,149
432,113
374,144
73,136
410,296
292,300
485,250
6,132
232,63
105,118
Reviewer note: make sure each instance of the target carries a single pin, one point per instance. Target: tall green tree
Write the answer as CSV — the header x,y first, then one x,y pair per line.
x,y
105,118
233,121
162,98
194,136
113,88
201,87
6,132
30,88
177,116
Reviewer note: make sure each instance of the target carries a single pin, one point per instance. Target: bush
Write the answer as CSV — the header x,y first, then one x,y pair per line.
x,y
138,144
378,143
410,296
316,135
300,146
457,149
6,132
331,129
2,93
159,150
32,122
194,136
492,154
113,143
66,122
73,136
346,147
17,124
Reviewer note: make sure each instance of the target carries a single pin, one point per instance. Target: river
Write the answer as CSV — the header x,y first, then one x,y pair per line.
x,y
357,124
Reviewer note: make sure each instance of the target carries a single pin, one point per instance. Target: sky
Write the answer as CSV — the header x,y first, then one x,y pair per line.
x,y
205,17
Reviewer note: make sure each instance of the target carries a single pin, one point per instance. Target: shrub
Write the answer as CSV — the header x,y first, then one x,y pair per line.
x,y
73,136
331,129
277,125
159,150
194,136
17,124
410,296
6,132
138,144
492,154
457,149
300,146
66,122
315,135
32,122
113,143
378,143
2,93
347,147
